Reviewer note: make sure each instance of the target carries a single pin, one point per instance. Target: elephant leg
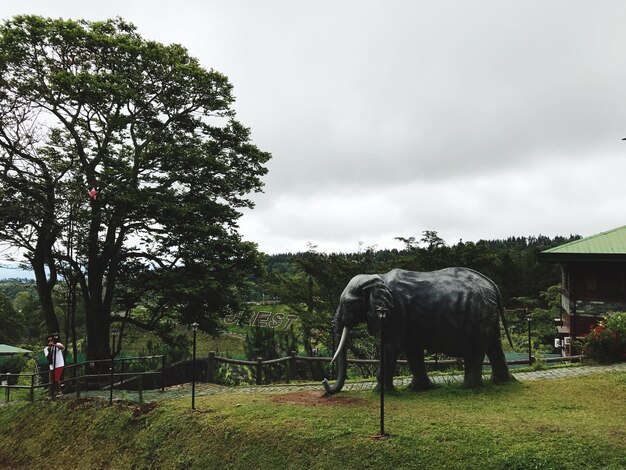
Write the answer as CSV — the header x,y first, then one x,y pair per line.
x,y
473,370
499,369
421,381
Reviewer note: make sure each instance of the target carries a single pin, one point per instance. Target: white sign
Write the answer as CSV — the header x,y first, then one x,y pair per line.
x,y
276,320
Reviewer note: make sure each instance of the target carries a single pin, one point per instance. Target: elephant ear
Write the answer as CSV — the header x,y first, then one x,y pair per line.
x,y
379,297
360,285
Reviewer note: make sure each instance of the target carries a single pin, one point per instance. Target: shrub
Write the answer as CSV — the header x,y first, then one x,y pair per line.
x,y
13,364
606,342
233,375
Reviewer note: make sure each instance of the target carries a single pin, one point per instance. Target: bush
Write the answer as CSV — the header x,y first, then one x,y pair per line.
x,y
177,349
606,342
13,364
233,375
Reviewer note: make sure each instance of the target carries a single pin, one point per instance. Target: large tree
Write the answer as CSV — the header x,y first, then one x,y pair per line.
x,y
11,322
116,150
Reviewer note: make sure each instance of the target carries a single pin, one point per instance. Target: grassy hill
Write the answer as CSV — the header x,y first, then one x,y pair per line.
x,y
557,424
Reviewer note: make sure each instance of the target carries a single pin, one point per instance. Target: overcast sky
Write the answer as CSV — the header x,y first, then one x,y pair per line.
x,y
476,119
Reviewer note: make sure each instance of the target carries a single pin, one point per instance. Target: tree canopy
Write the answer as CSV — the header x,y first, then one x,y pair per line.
x,y
311,283
11,322
122,163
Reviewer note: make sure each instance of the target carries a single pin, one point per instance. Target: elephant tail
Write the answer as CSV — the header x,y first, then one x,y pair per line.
x,y
505,323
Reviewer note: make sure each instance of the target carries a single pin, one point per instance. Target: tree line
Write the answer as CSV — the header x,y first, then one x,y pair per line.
x,y
311,282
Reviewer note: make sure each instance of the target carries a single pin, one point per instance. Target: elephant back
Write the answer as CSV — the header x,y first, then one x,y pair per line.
x,y
447,310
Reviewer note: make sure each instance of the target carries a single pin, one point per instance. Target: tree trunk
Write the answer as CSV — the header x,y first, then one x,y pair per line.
x,y
98,322
44,286
98,318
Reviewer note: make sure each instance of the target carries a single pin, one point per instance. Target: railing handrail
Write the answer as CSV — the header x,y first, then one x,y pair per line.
x,y
111,374
226,360
441,362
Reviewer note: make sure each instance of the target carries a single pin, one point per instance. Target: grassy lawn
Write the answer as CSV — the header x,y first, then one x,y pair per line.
x,y
557,424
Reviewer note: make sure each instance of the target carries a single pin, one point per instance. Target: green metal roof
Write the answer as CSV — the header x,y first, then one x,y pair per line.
x,y
610,245
6,349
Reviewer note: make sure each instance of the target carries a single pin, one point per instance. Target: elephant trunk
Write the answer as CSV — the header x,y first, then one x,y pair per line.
x,y
342,364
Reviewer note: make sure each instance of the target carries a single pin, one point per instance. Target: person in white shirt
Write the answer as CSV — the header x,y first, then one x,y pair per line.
x,y
54,354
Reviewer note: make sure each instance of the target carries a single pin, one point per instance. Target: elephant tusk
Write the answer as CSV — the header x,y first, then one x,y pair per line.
x,y
344,336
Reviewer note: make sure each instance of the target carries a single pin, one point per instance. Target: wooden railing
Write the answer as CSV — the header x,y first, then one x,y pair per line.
x,y
110,375
291,361
84,376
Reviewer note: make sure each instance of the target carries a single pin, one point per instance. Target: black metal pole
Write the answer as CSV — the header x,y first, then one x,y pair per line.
x,y
530,357
194,327
111,382
382,376
382,315
113,334
53,386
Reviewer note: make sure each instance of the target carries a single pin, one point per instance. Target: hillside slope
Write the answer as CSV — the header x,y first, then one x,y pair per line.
x,y
569,423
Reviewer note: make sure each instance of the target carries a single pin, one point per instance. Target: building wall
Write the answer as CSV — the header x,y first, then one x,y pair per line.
x,y
591,290
605,282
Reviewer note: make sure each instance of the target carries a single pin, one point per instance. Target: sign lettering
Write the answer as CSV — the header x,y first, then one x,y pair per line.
x,y
276,320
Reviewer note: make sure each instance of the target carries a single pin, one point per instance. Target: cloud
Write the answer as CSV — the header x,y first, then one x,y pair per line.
x,y
480,119
496,205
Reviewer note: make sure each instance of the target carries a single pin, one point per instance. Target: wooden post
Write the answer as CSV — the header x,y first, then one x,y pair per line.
x,y
32,388
259,371
78,378
292,365
122,364
163,373
210,367
140,390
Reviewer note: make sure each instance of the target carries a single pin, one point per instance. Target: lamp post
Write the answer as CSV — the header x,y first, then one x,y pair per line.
x,y
382,316
113,340
194,328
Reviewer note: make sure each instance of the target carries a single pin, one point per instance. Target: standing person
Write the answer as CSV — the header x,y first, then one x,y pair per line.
x,y
54,354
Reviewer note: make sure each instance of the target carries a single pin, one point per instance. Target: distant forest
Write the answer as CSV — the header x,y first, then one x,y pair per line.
x,y
511,263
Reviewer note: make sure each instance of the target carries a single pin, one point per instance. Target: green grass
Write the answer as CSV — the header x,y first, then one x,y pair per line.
x,y
558,424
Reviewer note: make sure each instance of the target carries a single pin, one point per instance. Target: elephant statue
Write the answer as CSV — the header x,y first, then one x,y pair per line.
x,y
454,311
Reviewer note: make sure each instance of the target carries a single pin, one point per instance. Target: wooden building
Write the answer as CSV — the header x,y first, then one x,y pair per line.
x,y
593,282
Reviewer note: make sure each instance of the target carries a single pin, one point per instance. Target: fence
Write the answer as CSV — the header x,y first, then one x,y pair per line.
x,y
263,372
90,376
104,377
